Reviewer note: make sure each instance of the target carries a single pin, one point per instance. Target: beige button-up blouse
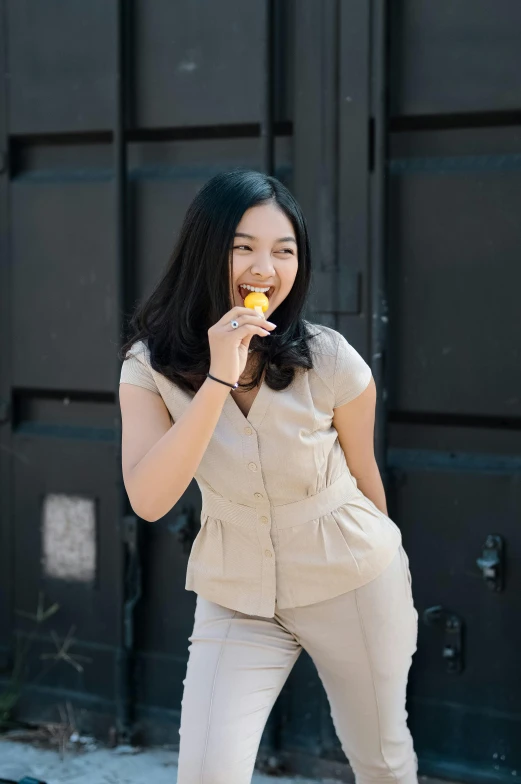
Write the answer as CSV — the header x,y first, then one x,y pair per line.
x,y
282,521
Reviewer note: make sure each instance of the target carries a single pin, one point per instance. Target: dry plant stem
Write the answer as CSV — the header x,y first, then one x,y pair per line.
x,y
22,650
24,641
57,733
9,698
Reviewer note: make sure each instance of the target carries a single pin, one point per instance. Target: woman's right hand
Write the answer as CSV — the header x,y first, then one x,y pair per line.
x,y
229,347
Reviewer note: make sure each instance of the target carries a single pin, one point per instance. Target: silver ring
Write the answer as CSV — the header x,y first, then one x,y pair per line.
x,y
234,324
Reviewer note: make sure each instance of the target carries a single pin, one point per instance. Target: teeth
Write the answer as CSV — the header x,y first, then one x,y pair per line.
x,y
254,288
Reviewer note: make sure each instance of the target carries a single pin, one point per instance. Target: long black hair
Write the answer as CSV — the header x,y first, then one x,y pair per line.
x,y
195,292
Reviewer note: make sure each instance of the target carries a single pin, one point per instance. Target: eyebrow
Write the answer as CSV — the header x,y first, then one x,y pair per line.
x,y
251,237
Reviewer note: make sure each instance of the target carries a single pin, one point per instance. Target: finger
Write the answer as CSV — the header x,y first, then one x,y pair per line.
x,y
249,329
246,341
250,318
238,311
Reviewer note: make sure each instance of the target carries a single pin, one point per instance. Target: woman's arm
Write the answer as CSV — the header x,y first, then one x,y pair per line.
x,y
354,422
159,459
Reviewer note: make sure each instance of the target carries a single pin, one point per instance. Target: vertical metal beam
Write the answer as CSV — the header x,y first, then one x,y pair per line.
x,y
316,186
120,156
353,165
315,143
267,141
127,524
6,451
266,124
362,167
377,260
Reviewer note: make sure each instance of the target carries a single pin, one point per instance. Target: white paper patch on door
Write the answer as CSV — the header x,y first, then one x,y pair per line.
x,y
69,537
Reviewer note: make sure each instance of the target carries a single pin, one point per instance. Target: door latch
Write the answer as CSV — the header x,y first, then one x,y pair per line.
x,y
183,527
452,625
492,563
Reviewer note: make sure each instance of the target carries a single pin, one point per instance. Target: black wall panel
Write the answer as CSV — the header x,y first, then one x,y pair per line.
x,y
454,57
453,487
454,278
73,461
454,449
187,75
303,89
65,281
60,65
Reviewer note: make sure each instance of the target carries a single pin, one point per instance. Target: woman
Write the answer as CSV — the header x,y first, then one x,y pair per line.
x,y
294,552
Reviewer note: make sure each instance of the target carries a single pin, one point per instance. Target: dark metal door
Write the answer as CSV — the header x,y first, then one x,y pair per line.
x,y
61,487
114,114
454,372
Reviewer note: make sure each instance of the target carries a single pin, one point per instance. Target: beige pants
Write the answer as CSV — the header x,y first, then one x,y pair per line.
x,y
361,643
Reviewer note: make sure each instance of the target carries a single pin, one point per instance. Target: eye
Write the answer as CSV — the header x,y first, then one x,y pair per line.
x,y
286,250
240,247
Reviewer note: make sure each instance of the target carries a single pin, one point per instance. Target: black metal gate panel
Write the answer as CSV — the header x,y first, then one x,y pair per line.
x,y
454,189
398,127
114,115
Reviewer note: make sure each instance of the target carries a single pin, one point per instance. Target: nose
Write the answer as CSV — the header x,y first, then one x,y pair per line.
x,y
263,265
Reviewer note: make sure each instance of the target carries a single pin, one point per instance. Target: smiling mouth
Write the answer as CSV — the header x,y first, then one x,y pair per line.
x,y
243,293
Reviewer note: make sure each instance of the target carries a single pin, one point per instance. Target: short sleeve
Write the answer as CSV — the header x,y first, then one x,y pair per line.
x,y
352,373
136,370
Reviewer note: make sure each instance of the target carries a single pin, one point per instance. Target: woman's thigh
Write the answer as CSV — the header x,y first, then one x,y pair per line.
x,y
362,644
237,666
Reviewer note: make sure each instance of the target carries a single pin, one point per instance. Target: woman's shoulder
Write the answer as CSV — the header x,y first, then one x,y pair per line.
x,y
323,345
136,368
323,340
139,349
338,364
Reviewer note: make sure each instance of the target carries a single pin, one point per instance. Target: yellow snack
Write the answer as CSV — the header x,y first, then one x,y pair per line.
x,y
257,302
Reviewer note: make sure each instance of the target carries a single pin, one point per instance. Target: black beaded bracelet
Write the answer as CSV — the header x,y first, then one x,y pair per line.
x,y
233,386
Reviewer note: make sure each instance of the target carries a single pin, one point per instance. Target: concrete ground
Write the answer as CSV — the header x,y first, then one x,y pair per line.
x,y
107,766
100,766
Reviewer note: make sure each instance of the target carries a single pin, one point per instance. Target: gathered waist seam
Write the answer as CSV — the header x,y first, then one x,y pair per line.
x,y
285,515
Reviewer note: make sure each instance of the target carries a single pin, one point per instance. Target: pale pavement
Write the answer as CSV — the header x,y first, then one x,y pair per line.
x,y
107,766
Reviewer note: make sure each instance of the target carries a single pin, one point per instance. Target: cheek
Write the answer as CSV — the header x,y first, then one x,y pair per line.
x,y
289,274
239,267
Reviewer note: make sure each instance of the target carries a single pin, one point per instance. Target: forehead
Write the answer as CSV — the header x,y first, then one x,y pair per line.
x,y
266,221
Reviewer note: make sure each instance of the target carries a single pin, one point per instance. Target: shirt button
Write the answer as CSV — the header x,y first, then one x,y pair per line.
x,y
267,553
264,519
252,466
248,431
258,495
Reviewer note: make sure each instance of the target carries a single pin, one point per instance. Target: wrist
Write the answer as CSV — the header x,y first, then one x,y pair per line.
x,y
221,380
222,376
